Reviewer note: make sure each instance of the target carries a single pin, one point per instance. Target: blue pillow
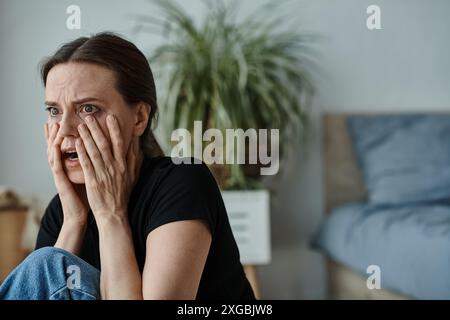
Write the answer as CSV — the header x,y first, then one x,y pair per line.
x,y
404,158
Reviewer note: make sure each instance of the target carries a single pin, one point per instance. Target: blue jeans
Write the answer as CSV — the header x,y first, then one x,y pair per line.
x,y
52,274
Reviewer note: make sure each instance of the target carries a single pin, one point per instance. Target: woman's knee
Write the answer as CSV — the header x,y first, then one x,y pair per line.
x,y
47,255
52,257
48,272
41,254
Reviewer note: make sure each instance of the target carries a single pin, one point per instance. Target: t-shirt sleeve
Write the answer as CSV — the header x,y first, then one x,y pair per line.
x,y
186,192
51,224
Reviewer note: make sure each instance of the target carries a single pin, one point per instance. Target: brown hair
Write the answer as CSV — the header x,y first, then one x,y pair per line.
x,y
134,78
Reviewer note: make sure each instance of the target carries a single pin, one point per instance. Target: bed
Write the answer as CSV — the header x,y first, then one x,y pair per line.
x,y
402,226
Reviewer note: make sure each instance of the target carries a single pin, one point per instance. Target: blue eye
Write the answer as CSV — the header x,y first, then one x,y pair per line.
x,y
88,108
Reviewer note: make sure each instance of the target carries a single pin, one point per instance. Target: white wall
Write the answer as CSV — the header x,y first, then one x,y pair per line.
x,y
403,67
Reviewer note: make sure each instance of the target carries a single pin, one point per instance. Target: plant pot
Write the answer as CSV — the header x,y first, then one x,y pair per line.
x,y
251,172
249,215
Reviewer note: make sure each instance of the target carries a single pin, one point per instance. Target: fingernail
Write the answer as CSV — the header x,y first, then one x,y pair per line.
x,y
111,119
81,127
89,119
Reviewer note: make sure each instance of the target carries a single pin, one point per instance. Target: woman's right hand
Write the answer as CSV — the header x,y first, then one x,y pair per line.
x,y
74,209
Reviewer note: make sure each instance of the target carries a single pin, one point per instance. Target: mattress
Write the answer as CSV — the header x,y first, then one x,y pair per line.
x,y
410,244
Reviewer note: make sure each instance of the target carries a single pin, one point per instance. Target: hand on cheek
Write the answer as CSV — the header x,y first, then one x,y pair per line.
x,y
74,209
109,173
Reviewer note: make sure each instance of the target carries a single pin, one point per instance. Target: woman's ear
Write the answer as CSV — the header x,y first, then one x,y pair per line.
x,y
141,118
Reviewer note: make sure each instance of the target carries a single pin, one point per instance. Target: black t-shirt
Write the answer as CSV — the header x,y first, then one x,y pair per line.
x,y
167,192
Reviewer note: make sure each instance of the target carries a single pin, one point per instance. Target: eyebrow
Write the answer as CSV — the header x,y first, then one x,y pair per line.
x,y
80,101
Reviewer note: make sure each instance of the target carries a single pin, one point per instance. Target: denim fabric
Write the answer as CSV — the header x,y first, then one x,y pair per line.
x,y
51,273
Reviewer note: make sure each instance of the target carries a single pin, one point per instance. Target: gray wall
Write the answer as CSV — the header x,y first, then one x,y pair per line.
x,y
403,67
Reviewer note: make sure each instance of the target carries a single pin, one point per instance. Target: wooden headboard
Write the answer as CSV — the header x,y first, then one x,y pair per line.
x,y
343,177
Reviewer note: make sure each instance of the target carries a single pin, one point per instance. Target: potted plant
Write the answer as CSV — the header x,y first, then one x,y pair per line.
x,y
227,74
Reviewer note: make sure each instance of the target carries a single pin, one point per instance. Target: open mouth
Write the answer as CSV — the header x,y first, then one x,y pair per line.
x,y
70,156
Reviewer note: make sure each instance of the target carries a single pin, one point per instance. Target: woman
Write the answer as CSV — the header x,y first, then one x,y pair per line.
x,y
155,229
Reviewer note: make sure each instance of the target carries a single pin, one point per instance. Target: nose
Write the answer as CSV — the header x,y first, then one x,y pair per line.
x,y
68,125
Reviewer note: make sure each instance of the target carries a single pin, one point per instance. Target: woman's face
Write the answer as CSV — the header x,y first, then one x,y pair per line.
x,y
75,90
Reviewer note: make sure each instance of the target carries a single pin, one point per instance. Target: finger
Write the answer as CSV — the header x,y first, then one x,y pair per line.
x,y
52,133
46,134
56,160
99,138
59,175
85,162
131,159
90,148
58,140
116,138
57,146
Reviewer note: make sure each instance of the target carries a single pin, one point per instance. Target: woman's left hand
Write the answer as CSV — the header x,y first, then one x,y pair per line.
x,y
109,173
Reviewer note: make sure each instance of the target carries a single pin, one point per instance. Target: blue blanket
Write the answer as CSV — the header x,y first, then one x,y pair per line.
x,y
410,244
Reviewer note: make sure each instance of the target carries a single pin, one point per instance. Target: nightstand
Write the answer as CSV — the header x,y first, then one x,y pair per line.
x,y
249,215
12,224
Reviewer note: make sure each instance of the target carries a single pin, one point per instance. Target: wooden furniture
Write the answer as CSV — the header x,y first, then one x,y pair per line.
x,y
249,215
12,224
252,276
343,184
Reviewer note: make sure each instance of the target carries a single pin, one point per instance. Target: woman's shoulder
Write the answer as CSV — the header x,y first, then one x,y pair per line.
x,y
178,177
179,189
53,213
188,170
